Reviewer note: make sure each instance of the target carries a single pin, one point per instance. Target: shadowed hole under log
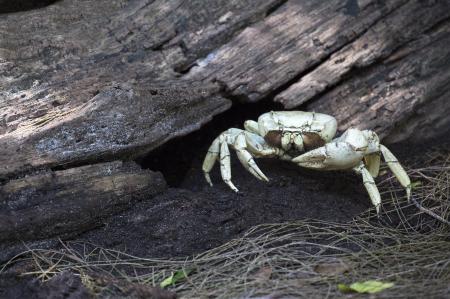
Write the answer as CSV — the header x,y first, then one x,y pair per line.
x,y
175,158
9,6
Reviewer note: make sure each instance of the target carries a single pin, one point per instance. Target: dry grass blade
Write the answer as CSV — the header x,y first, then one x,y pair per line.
x,y
304,259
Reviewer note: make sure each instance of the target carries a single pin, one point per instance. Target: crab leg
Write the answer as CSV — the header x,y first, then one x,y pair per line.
x,y
371,188
225,165
246,158
372,162
210,159
397,169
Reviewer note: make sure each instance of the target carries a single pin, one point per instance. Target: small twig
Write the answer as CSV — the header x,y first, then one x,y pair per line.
x,y
429,212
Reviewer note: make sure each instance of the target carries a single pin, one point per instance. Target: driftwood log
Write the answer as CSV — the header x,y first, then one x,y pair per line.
x,y
57,203
83,82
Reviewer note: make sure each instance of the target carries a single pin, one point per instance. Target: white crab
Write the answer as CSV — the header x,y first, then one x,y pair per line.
x,y
288,133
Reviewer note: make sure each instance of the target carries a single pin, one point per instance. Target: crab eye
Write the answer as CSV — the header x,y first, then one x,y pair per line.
x,y
273,138
312,141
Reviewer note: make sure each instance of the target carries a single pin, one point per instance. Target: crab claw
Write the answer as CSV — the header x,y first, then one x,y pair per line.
x,y
332,156
312,159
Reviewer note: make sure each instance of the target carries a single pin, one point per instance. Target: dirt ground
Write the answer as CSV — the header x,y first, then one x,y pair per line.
x,y
195,217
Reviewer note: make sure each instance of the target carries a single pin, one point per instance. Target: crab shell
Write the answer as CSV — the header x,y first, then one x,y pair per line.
x,y
297,130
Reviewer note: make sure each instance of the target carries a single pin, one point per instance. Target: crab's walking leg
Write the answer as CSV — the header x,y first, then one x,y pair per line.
x,y
210,159
371,188
246,158
225,165
372,162
397,169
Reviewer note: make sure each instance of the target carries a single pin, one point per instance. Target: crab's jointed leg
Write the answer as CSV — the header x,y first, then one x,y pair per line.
x,y
210,159
247,145
341,155
397,169
372,162
225,168
246,158
371,188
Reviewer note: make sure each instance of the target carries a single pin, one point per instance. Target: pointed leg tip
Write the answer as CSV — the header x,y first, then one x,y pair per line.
x,y
263,177
232,186
208,179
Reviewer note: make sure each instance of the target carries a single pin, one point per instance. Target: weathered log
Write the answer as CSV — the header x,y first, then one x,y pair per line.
x,y
315,52
288,43
120,121
77,79
380,41
403,97
66,202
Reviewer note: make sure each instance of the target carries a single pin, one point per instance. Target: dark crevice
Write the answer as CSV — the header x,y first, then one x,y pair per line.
x,y
8,6
285,86
275,7
442,23
175,158
354,72
86,162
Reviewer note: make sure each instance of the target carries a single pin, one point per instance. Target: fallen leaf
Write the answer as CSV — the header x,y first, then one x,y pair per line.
x,y
415,184
174,278
344,288
369,286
